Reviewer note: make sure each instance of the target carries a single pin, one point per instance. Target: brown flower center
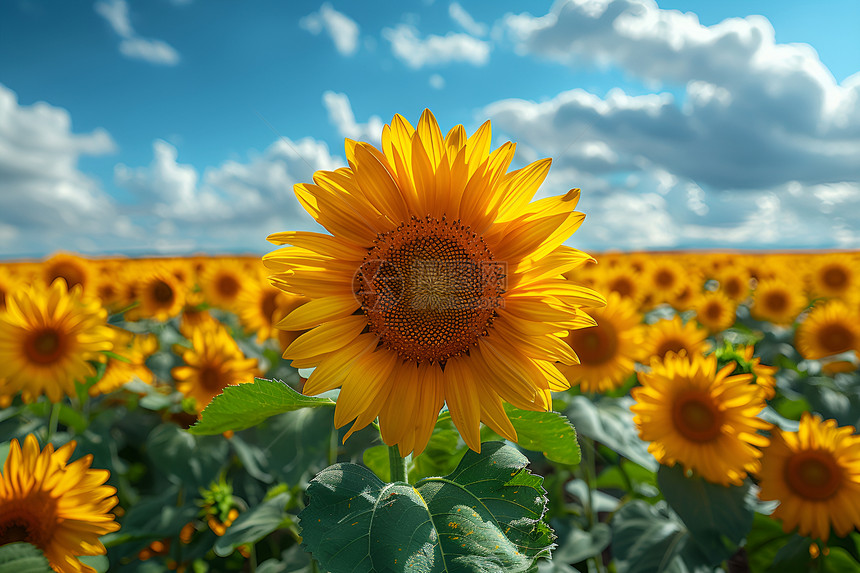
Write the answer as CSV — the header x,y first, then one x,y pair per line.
x,y
596,344
44,346
733,287
713,311
227,285
69,272
813,474
664,278
211,379
162,293
623,285
775,302
429,289
670,345
31,519
835,338
835,277
268,306
696,417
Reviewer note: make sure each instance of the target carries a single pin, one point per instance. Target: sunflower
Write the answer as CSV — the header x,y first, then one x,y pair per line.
x,y
715,311
608,352
764,375
665,279
815,475
212,363
834,276
624,280
135,349
195,314
8,284
441,282
698,416
829,329
223,281
72,269
60,507
48,335
734,282
673,335
778,301
159,293
257,305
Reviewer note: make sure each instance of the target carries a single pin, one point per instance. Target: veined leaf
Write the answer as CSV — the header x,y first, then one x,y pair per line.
x,y
487,515
246,405
23,558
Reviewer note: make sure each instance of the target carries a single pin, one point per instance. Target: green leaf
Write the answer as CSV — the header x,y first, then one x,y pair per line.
x,y
484,516
610,422
190,460
254,524
246,405
793,557
650,539
579,545
763,541
547,432
23,558
718,517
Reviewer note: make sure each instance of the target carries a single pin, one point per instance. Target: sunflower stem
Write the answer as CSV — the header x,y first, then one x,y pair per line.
x,y
54,421
396,464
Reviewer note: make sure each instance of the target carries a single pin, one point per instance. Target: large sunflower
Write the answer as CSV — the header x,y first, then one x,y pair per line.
x,y
440,282
212,363
608,352
828,329
778,301
815,475
60,507
48,335
835,276
698,416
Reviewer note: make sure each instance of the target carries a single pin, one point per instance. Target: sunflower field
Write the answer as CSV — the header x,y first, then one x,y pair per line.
x,y
434,382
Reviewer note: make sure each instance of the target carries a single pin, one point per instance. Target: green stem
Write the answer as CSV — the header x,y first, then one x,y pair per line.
x,y
589,467
396,464
54,421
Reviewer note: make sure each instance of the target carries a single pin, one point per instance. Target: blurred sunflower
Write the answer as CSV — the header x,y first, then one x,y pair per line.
x,y
456,276
778,301
665,279
60,507
698,416
829,328
73,270
673,335
624,280
734,282
212,363
715,311
135,349
815,475
608,352
159,293
222,282
8,285
764,375
834,276
195,314
48,335
257,307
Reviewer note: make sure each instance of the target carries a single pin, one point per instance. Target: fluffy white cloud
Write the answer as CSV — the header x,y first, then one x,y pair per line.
x,y
416,52
342,29
133,46
43,195
341,116
232,206
465,20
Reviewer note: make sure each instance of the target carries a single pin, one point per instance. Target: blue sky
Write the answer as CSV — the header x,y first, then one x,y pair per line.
x,y
180,126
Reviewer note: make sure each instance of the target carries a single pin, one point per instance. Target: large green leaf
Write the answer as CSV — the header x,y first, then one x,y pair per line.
x,y
23,558
246,405
650,539
717,517
484,516
186,459
610,422
547,432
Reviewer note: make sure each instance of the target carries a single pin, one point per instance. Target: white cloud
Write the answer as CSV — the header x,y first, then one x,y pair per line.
x,y
465,20
232,206
342,29
341,116
416,52
133,46
43,194
437,82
